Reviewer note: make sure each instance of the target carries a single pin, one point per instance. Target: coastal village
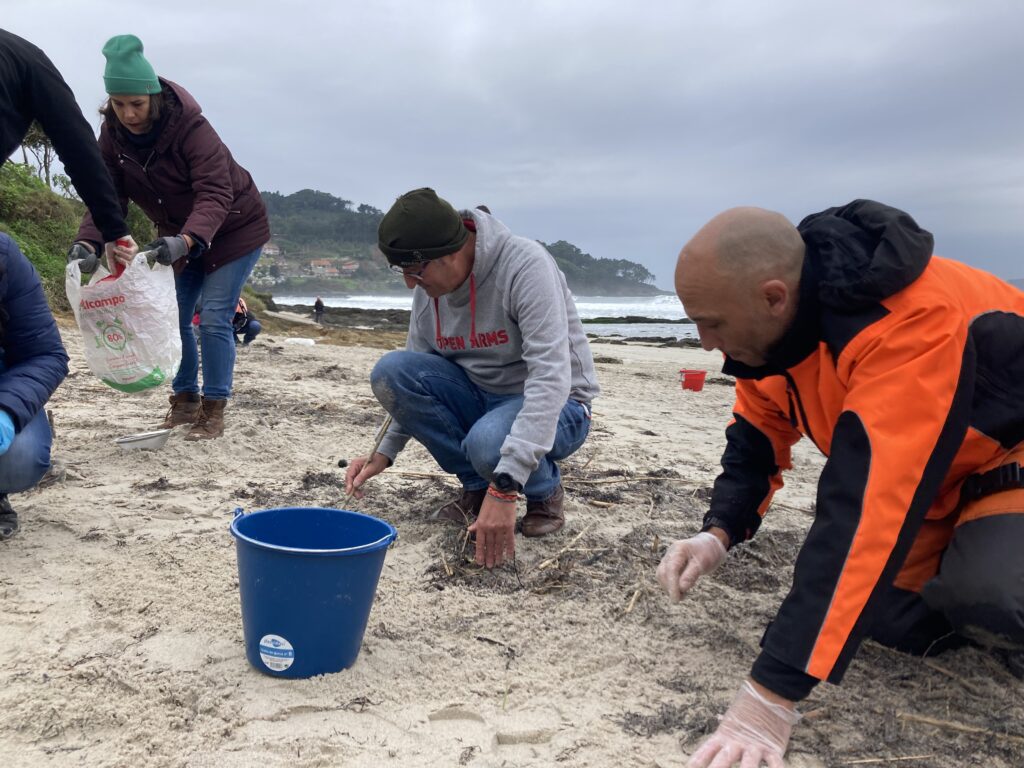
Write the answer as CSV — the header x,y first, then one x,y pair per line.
x,y
278,266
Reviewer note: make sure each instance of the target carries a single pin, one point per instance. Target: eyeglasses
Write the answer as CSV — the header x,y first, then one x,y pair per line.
x,y
407,271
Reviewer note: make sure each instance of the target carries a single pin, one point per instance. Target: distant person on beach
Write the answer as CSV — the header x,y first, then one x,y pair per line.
x,y
907,371
165,156
245,324
32,364
497,377
318,310
31,88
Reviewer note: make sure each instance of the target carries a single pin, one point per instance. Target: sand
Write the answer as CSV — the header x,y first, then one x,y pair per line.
x,y
122,637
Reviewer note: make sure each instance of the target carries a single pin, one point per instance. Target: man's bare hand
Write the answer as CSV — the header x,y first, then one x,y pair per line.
x,y
361,470
495,530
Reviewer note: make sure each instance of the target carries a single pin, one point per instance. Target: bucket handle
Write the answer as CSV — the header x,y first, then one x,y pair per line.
x,y
237,513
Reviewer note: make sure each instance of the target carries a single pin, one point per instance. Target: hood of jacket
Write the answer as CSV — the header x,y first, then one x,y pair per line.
x,y
491,237
864,252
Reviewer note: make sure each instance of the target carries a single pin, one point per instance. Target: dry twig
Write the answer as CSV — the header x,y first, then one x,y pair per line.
x,y
967,684
880,760
952,725
554,558
613,480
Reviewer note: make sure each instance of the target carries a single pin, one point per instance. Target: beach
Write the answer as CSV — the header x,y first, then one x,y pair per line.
x,y
122,628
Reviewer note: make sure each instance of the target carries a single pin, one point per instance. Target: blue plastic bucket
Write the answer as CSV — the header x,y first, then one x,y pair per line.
x,y
307,578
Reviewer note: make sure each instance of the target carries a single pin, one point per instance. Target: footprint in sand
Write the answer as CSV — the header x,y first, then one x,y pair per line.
x,y
471,728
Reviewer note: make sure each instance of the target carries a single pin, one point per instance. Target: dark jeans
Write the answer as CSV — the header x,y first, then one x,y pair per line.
x,y
252,330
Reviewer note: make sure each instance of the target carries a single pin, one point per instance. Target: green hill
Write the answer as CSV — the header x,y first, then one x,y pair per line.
x,y
322,244
44,224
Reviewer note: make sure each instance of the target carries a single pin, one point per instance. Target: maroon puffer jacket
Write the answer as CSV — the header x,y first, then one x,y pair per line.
x,y
187,182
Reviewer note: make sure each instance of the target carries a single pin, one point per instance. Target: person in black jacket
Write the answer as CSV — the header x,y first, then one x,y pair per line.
x,y
245,323
31,88
32,364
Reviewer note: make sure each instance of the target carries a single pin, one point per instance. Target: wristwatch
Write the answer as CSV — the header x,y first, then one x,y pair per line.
x,y
505,483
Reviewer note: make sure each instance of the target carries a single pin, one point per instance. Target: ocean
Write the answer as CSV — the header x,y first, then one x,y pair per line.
x,y
663,308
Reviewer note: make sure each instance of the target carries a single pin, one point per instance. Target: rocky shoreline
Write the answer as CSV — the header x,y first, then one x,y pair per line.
x,y
397,320
349,317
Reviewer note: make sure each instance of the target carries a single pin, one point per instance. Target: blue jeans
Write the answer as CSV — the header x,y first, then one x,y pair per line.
x,y
28,458
219,292
463,426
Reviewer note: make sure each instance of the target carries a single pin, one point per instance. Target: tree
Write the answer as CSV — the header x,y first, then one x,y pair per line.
x,y
39,144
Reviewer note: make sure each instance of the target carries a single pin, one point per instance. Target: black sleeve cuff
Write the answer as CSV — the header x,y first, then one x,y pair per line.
x,y
717,522
782,679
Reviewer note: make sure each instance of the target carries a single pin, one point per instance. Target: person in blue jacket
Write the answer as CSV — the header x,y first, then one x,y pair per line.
x,y
32,364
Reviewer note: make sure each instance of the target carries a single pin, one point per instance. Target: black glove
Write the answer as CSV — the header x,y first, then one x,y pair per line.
x,y
168,249
81,252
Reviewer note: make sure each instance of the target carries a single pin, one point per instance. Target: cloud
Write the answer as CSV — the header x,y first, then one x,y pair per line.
x,y
620,129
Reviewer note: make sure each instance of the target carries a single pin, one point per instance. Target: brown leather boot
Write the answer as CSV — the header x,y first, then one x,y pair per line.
x,y
462,510
184,409
210,423
544,517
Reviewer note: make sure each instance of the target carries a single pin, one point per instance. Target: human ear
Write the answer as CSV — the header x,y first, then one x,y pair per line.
x,y
776,295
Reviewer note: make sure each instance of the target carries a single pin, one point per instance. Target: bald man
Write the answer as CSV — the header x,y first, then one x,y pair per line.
x,y
907,371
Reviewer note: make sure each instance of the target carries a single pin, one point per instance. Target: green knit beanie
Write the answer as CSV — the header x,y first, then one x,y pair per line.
x,y
420,227
127,70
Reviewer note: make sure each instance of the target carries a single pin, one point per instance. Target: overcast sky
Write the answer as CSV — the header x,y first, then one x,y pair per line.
x,y
618,126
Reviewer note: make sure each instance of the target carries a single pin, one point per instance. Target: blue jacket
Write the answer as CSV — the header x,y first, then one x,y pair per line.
x,y
32,357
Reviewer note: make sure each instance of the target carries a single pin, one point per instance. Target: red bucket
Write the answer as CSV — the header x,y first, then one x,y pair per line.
x,y
691,378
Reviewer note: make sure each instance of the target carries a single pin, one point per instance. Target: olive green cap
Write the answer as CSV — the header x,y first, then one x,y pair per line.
x,y
420,227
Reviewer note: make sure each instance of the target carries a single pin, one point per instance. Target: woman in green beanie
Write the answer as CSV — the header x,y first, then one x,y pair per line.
x,y
164,155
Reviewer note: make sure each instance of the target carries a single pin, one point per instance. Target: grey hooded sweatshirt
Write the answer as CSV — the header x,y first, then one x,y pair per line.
x,y
513,328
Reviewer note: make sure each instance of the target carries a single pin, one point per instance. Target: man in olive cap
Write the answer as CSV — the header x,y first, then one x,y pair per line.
x,y
497,377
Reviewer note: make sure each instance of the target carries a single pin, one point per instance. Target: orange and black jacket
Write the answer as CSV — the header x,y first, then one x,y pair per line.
x,y
907,371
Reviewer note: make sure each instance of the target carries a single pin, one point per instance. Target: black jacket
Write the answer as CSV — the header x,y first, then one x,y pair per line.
x,y
31,88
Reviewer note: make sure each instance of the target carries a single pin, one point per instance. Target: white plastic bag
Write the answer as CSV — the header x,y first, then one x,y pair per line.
x,y
129,324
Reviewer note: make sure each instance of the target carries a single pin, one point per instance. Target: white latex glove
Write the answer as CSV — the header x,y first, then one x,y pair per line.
x,y
687,560
754,731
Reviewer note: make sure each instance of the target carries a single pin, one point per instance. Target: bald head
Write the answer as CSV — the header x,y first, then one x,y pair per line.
x,y
741,271
747,244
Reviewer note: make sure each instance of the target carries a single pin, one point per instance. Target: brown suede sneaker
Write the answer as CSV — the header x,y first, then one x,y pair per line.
x,y
462,510
184,409
544,517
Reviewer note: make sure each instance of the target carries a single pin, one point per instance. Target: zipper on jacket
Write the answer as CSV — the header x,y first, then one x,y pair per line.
x,y
144,166
794,396
145,172
792,408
